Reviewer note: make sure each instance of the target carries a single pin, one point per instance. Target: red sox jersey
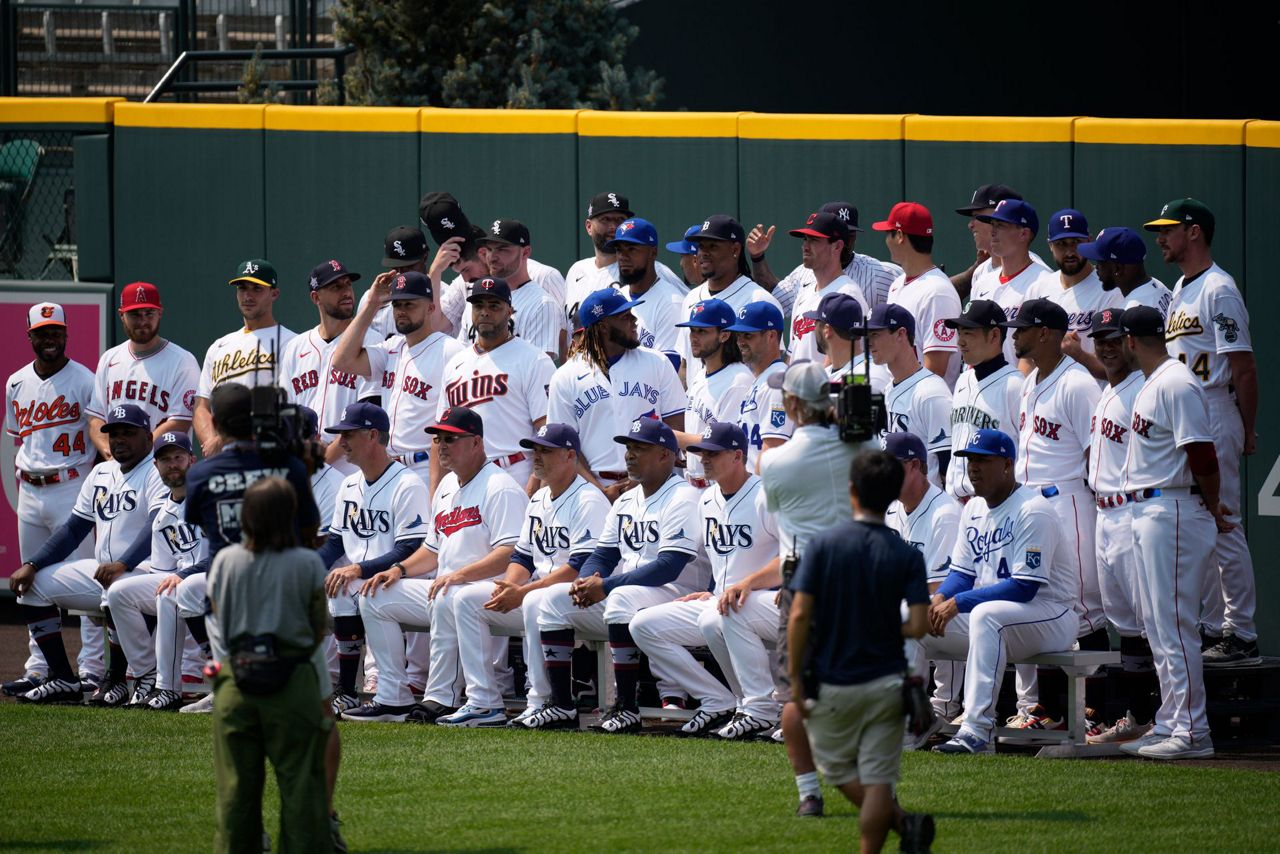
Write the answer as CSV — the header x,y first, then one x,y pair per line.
x,y
714,398
739,533
506,386
162,383
990,403
309,378
1207,320
930,529
554,529
1008,294
740,292
921,404
804,343
175,543
410,378
1152,293
667,521
931,299
119,504
537,318
51,417
1079,301
372,517
1170,411
244,356
470,521
761,414
1053,425
1109,435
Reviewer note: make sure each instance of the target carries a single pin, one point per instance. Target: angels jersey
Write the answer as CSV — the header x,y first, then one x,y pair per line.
x,y
163,384
51,417
713,398
1053,425
372,517
1079,301
739,533
740,292
990,403
506,386
1170,411
537,319
804,338
1207,319
309,378
411,378
1151,293
761,415
932,300
872,276
175,544
470,521
1109,435
930,529
119,505
921,404
1009,295
668,521
244,356
554,529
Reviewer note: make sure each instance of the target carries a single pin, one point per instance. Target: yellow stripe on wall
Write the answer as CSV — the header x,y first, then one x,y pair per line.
x,y
816,126
67,111
439,120
1259,134
988,129
687,125
343,119
1160,131
195,116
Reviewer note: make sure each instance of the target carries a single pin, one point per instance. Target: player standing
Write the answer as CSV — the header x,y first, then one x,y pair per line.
x,y
714,395
825,237
839,331
404,250
986,264
537,316
1014,225
658,297
761,414
1118,254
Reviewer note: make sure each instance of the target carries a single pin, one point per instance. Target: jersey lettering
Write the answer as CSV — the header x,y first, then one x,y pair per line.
x,y
1181,324
480,388
238,481
636,534
40,414
641,390
975,416
1046,428
1200,367
140,390
1113,430
723,539
986,544
342,378
241,362
414,386
365,523
108,504
452,521
1142,426
547,538
181,538
589,398
308,380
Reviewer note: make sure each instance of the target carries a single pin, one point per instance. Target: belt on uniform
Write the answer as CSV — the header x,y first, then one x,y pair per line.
x,y
1110,502
504,462
48,479
411,457
700,482
611,475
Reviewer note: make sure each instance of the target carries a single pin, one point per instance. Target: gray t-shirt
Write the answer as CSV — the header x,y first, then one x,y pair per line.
x,y
279,593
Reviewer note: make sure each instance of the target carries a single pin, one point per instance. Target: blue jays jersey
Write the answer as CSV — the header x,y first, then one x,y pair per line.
x,y
641,526
176,544
556,528
119,505
739,533
372,517
761,415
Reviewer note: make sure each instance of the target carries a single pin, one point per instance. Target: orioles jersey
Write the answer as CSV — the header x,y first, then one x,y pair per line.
x,y
50,416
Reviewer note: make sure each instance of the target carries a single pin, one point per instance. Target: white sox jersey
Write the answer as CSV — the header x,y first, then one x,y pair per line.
x,y
245,357
1009,294
1079,301
119,504
175,543
1053,425
804,338
537,319
549,279
1152,293
761,414
668,521
1170,411
931,299
1109,435
324,489
989,403
51,417
506,386
163,383
739,533
554,529
470,521
713,398
1207,320
372,517
930,529
872,276
641,384
656,317
740,292
921,404
411,379
308,377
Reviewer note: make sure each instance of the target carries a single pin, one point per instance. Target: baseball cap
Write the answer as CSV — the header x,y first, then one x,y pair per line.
x,y
404,246
553,435
603,203
981,314
490,287
1068,222
361,416
603,303
411,285
257,270
710,314
822,224
1040,312
126,413
510,232
988,196
909,218
721,436
839,310
685,246
328,272
757,317
847,213
1142,321
719,227
805,379
989,443
46,314
231,403
650,431
1014,212
1182,212
634,230
1119,244
459,420
138,295
443,217
905,446
893,317
310,421
172,439
1106,324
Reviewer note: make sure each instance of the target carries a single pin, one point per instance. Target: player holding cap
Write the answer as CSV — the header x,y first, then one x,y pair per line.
x,y
761,414
825,238
1118,254
1014,225
714,395
688,252
986,265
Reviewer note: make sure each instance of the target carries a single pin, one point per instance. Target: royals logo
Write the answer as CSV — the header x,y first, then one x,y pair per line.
x,y
108,504
365,524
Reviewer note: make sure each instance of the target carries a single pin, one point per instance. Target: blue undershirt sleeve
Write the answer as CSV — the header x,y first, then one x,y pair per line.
x,y
955,582
602,560
1009,590
63,542
662,570
401,550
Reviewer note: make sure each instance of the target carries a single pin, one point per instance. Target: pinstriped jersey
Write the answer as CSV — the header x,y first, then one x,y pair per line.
x,y
556,528
162,383
872,276
119,505
50,416
537,318
739,533
175,543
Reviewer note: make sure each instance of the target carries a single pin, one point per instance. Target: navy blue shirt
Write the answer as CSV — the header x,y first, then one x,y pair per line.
x,y
858,573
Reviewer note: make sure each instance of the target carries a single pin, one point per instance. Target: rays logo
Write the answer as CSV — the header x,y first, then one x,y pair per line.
x,y
107,505
723,539
548,539
365,524
118,412
398,248
635,426
613,200
542,431
249,269
169,438
637,533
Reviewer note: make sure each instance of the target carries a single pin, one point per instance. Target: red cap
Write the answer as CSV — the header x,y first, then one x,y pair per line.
x,y
136,295
909,218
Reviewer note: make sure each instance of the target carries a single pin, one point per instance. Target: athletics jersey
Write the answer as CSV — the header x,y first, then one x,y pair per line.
x,y
175,543
1079,301
324,489
804,336
50,416
1152,293
410,377
372,517
760,413
714,398
739,292
308,377
739,532
930,529
641,527
468,522
1020,539
556,528
1170,411
932,300
246,357
537,319
921,404
163,383
990,403
1109,435
1207,319
506,386
1053,425
872,277
640,384
1008,295
119,505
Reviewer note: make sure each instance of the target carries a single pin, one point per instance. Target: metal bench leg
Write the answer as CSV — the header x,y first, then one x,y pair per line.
x,y
1075,742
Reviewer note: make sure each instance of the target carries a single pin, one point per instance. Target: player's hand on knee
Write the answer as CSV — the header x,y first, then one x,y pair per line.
x,y
381,581
441,583
337,579
733,598
694,597
109,572
506,597
168,584
20,581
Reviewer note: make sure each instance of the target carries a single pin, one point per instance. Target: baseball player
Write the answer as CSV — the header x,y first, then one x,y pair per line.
x,y
723,380
1171,457
825,237
46,409
1014,225
250,355
502,377
922,289
986,265
1007,595
761,414
688,252
658,295
838,332
607,382
146,370
476,516
739,537
917,400
1118,254
470,266
404,250
1208,331
605,212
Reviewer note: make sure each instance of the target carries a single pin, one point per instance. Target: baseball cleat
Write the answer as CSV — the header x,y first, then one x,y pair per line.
x,y
344,703
1232,652
915,742
428,712
377,712
109,694
474,716
1125,729
778,736
618,720
55,691
1178,747
916,834
1132,747
163,700
21,686
335,833
143,688
704,722
191,685
203,706
962,742
519,719
89,682
744,726
551,716
810,807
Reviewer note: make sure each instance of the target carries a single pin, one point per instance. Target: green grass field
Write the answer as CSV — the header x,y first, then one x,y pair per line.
x,y
113,780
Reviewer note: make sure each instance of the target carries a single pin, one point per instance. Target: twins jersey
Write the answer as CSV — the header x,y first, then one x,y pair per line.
x,y
554,529
990,403
50,416
760,413
119,505
804,336
921,404
175,543
740,292
372,517
163,383
506,386
932,300
1009,295
324,489
470,521
1207,319
739,533
309,378
873,278
410,377
1151,293
244,356
1109,435
1079,301
641,384
640,527
1170,411
537,319
1053,425
930,529
714,398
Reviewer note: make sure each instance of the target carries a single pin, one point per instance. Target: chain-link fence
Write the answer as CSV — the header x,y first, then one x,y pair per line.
x,y
37,206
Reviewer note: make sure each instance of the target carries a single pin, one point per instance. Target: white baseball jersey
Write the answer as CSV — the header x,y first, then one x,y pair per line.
x,y
872,276
372,517
986,276
921,404
668,521
506,386
1053,425
1109,435
740,292
452,302
990,403
470,521
1009,295
163,383
384,322
880,376
739,533
1170,411
931,299
1151,293
1079,301
1208,319
50,416
246,357
714,398
309,378
930,529
119,504
760,413
804,338
324,489
662,308
537,319
554,529
549,279
175,544
411,378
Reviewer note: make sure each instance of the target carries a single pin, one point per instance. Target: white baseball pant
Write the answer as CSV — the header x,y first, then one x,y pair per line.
x,y
1230,596
132,596
175,648
193,601
664,633
1077,511
738,640
407,602
477,630
1118,571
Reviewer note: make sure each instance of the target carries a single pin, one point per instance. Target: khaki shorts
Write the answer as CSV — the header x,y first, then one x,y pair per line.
x,y
855,731
782,675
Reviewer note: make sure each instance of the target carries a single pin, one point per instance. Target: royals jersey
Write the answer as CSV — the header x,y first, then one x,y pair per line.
x,y
324,489
309,378
246,357
921,404
50,416
1008,294
714,398
506,386
162,383
761,415
1170,411
930,529
990,403
804,338
537,319
554,529
641,527
872,276
372,517
175,543
1109,435
932,300
1079,301
739,533
119,505
1207,320
468,522
410,377
740,292
1152,293
641,384
1053,425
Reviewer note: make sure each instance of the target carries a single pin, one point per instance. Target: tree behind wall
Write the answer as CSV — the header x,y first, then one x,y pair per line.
x,y
544,54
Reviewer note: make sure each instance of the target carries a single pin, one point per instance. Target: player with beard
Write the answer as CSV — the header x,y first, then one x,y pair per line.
x,y
658,298
713,396
1119,254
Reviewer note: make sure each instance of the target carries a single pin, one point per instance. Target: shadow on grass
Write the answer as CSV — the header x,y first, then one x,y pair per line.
x,y
49,844
1033,815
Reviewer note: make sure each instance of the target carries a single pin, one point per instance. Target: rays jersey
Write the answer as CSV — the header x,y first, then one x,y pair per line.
x,y
668,521
740,292
51,417
119,505
739,533
930,529
506,386
537,318
1169,412
1207,319
760,413
880,376
163,384
410,379
175,543
989,403
468,522
308,377
1109,435
804,339
921,404
931,299
556,528
244,356
1079,301
713,398
1053,425
372,517
324,489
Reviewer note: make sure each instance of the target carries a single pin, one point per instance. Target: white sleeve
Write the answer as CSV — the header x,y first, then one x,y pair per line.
x,y
286,369
98,402
378,359
666,315
1230,320
84,500
453,297
185,383
962,557
942,541
1035,541
410,499
1081,402
543,325
777,425
768,519
679,526
432,541
588,522
10,413
442,402
609,528
156,492
672,399
560,397
932,335
935,419
205,387
337,522
538,379
1187,414
505,513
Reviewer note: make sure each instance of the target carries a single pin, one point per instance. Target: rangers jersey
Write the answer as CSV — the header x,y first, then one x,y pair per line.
x,y
162,383
930,529
1151,293
470,521
410,378
50,416
739,533
244,356
372,517
506,386
641,527
175,543
554,529
119,505
1207,320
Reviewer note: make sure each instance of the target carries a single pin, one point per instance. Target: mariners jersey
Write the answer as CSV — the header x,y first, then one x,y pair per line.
x,y
641,527
1079,301
1009,295
556,528
739,533
872,276
119,505
410,377
740,292
468,522
1170,411
506,386
921,404
641,384
245,357
372,517
930,529
175,543
1207,319
50,416
804,337
932,300
1109,435
760,413
309,378
324,488
1053,425
714,398
162,383
537,319
1151,293
990,403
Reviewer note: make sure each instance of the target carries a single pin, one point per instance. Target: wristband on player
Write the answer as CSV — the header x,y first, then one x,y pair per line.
x,y
404,573
756,259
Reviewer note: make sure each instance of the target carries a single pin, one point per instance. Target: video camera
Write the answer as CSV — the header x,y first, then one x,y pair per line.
x,y
278,427
860,412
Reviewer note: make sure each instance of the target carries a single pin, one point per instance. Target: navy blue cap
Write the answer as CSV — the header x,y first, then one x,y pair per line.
x,y
310,421
981,314
989,443
839,310
988,196
327,272
603,303
553,435
1068,222
1106,324
411,286
361,416
459,419
1142,321
1040,312
650,431
490,287
126,413
1015,212
711,314
719,227
905,446
893,317
721,436
634,230
845,212
172,439
1121,245
757,317
511,232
